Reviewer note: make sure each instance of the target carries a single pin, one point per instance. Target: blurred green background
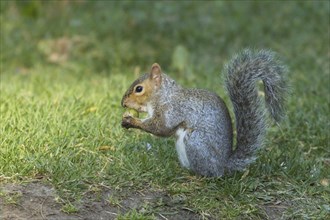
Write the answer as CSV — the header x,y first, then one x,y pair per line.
x,y
112,36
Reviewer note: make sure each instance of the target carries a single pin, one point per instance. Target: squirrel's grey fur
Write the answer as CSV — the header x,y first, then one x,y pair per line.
x,y
201,120
242,75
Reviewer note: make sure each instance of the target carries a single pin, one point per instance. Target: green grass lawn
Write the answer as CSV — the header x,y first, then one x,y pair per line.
x,y
66,65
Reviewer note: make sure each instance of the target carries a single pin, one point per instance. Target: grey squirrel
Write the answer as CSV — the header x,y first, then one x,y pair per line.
x,y
200,119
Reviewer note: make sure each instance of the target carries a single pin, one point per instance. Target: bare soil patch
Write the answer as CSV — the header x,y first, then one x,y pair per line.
x,y
37,200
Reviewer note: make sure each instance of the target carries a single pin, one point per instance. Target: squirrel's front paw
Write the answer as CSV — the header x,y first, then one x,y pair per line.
x,y
127,122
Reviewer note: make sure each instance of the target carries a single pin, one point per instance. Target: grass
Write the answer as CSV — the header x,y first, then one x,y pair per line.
x,y
65,66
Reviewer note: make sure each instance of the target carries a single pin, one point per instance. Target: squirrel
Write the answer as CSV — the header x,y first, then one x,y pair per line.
x,y
200,119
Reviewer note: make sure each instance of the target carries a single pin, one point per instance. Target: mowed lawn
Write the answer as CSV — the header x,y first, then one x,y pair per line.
x,y
65,66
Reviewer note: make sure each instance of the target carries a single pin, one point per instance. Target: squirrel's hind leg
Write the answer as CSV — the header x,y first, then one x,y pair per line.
x,y
203,157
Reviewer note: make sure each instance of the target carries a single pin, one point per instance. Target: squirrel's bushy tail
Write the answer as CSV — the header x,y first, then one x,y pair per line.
x,y
242,76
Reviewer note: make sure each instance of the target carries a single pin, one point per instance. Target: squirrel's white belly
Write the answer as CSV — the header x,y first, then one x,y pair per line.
x,y
181,147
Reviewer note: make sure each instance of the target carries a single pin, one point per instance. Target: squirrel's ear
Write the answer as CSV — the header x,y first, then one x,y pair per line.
x,y
155,73
155,69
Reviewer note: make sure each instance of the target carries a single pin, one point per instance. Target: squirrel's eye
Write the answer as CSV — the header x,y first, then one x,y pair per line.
x,y
138,89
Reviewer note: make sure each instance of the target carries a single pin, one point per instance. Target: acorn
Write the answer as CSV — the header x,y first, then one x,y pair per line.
x,y
131,112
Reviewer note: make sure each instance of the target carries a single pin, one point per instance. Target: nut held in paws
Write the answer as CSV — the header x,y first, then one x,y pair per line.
x,y
131,112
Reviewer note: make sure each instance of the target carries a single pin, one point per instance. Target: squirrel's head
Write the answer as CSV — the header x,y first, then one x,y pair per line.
x,y
141,91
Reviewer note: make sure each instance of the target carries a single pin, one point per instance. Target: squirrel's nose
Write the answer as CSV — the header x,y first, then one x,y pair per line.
x,y
123,104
